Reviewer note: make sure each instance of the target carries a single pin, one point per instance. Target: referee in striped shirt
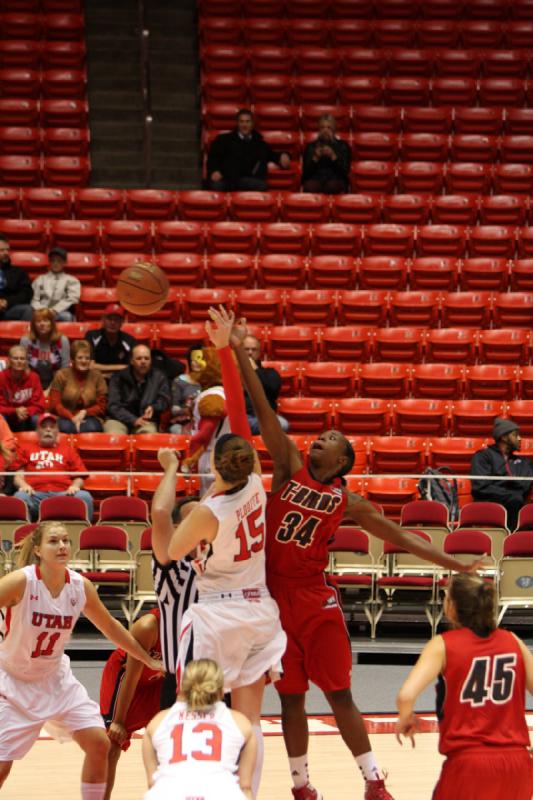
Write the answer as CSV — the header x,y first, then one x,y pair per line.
x,y
174,581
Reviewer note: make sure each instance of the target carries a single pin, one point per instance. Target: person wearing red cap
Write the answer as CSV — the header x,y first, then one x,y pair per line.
x,y
21,393
111,347
35,461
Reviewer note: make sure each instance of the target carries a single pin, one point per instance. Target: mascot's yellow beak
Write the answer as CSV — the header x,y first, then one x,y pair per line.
x,y
197,357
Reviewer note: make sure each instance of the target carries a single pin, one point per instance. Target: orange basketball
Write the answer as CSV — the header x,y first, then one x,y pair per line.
x,y
142,288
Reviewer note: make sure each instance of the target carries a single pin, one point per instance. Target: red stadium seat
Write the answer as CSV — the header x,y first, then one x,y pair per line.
x,y
509,346
202,205
281,270
306,414
396,454
362,415
33,263
20,53
454,209
303,207
513,179
229,269
503,209
492,240
94,300
349,27
178,236
20,170
225,87
501,92
384,380
433,272
438,32
64,113
265,58
442,381
70,27
15,111
407,91
420,417
46,203
490,381
517,149
454,345
466,309
521,411
505,64
398,344
336,238
513,310
373,176
392,493
463,177
9,202
484,273
269,87
20,141
77,330
231,237
64,83
145,449
525,383
175,339
10,334
253,206
522,275
63,54
104,451
126,235
99,203
277,117
182,269
420,176
363,307
483,515
223,58
453,453
383,272
307,31
360,90
305,8
284,237
474,147
424,147
311,113
519,120
25,234
455,63
427,120
356,209
373,145
410,209
114,263
284,141
310,306
66,170
422,513
144,486
219,116
377,118
389,239
346,343
328,379
66,141
290,376
148,204
196,302
486,121
410,62
292,343
485,34
414,308
363,61
19,82
394,33
260,306
87,267
320,61
454,91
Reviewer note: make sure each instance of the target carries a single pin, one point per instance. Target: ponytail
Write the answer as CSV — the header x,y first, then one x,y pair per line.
x,y
474,600
202,684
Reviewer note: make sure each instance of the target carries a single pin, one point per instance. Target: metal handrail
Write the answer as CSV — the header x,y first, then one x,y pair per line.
x,y
146,93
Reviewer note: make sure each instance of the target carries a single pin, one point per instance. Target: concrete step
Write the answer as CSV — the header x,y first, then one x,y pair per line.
x,y
118,100
112,115
126,178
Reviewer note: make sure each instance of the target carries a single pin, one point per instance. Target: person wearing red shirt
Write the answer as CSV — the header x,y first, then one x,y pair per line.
x,y
21,393
36,460
483,673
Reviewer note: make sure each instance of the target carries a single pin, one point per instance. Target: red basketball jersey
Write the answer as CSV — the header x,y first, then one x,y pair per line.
x,y
117,660
301,519
481,693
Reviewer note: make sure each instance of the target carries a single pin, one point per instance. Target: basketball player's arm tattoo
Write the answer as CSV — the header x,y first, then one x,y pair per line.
x,y
145,631
97,613
12,588
200,525
162,506
426,670
364,514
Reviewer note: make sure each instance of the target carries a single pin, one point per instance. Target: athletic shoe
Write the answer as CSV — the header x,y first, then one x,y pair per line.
x,y
307,792
376,790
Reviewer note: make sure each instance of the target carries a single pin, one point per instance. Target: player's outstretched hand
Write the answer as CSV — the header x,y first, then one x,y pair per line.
x,y
474,566
167,458
117,733
219,326
407,727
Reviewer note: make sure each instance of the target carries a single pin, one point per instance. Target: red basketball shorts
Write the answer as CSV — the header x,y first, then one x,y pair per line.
x,y
486,774
143,707
318,646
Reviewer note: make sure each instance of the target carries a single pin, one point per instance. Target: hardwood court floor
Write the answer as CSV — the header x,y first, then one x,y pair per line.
x,y
51,771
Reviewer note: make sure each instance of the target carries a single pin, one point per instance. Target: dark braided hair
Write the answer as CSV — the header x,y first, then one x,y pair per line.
x,y
234,458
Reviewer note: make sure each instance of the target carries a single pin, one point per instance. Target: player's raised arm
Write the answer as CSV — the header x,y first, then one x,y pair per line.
x,y
364,514
198,526
163,504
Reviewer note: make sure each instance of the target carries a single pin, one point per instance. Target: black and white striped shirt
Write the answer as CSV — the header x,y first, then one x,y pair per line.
x,y
175,588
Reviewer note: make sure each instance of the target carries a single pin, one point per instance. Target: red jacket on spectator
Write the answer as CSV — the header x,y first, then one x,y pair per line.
x,y
27,393
37,461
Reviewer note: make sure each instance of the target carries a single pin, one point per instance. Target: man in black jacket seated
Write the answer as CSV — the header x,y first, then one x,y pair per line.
x,y
15,287
238,160
137,396
499,460
270,380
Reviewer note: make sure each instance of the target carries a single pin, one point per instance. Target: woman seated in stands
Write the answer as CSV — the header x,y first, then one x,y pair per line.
x,y
48,350
78,394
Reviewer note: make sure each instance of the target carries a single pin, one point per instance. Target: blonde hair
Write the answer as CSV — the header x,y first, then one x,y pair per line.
x,y
27,553
202,684
474,600
79,346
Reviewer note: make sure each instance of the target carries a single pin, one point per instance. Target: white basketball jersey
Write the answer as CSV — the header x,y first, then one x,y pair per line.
x,y
236,558
40,626
193,745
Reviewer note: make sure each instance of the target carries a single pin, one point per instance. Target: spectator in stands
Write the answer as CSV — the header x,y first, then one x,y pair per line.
x,y
499,460
78,394
15,287
184,389
270,380
8,445
138,396
21,394
57,290
111,347
48,350
35,460
238,160
326,160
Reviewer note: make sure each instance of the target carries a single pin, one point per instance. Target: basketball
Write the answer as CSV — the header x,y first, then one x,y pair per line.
x,y
142,288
